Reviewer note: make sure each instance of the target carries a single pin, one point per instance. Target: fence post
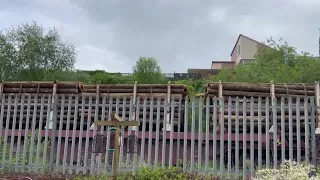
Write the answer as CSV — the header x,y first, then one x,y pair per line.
x,y
272,95
317,96
134,101
53,130
168,109
317,130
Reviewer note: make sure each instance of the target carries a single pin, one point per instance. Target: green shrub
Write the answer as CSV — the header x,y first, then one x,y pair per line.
x,y
19,159
149,173
288,170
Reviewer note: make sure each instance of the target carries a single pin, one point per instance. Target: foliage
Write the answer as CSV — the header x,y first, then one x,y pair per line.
x,y
194,86
146,173
147,71
27,52
278,62
20,159
107,78
288,170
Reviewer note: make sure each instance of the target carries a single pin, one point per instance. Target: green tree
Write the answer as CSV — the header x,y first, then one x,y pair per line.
x,y
278,62
28,52
147,71
108,78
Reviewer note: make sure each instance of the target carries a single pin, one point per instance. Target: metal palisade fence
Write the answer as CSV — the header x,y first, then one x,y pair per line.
x,y
228,137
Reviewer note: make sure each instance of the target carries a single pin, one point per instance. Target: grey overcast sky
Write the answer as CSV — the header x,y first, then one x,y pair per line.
x,y
112,34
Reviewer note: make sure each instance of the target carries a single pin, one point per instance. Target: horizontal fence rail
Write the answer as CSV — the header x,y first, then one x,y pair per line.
x,y
229,137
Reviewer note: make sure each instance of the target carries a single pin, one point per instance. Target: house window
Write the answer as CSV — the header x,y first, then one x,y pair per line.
x,y
245,61
239,50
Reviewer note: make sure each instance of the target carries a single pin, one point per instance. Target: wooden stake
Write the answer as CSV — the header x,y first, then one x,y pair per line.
x,y
116,153
117,123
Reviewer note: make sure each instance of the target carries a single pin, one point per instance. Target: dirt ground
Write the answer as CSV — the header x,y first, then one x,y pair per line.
x,y
16,176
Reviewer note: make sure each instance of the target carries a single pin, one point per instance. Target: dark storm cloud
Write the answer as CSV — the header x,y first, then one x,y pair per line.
x,y
181,34
171,32
190,33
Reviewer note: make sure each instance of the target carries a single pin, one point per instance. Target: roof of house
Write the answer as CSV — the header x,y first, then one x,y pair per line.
x,y
241,35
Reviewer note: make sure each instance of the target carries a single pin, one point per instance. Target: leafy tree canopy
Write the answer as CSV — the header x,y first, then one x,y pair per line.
x,y
28,52
276,62
147,71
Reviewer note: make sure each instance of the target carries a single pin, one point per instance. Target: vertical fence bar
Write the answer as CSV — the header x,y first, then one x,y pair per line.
x,y
19,132
110,110
110,106
185,133
12,138
193,133
13,130
267,133
237,139
34,118
313,129
129,132
298,121
143,138
179,132
60,133
207,105
46,136
136,132
214,157
171,130
96,118
39,134
259,134
26,135
290,130
150,130
124,110
75,120
3,97
200,104
83,101
117,112
283,127
156,156
306,126
317,99
5,143
244,134
66,138
53,138
229,135
252,141
85,164
164,132
221,121
275,129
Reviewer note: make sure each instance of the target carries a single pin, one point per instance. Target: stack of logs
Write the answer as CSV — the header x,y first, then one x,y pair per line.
x,y
41,87
253,92
81,100
118,96
25,102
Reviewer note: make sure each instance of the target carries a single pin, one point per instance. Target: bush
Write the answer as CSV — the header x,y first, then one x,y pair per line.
x,y
147,173
288,170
